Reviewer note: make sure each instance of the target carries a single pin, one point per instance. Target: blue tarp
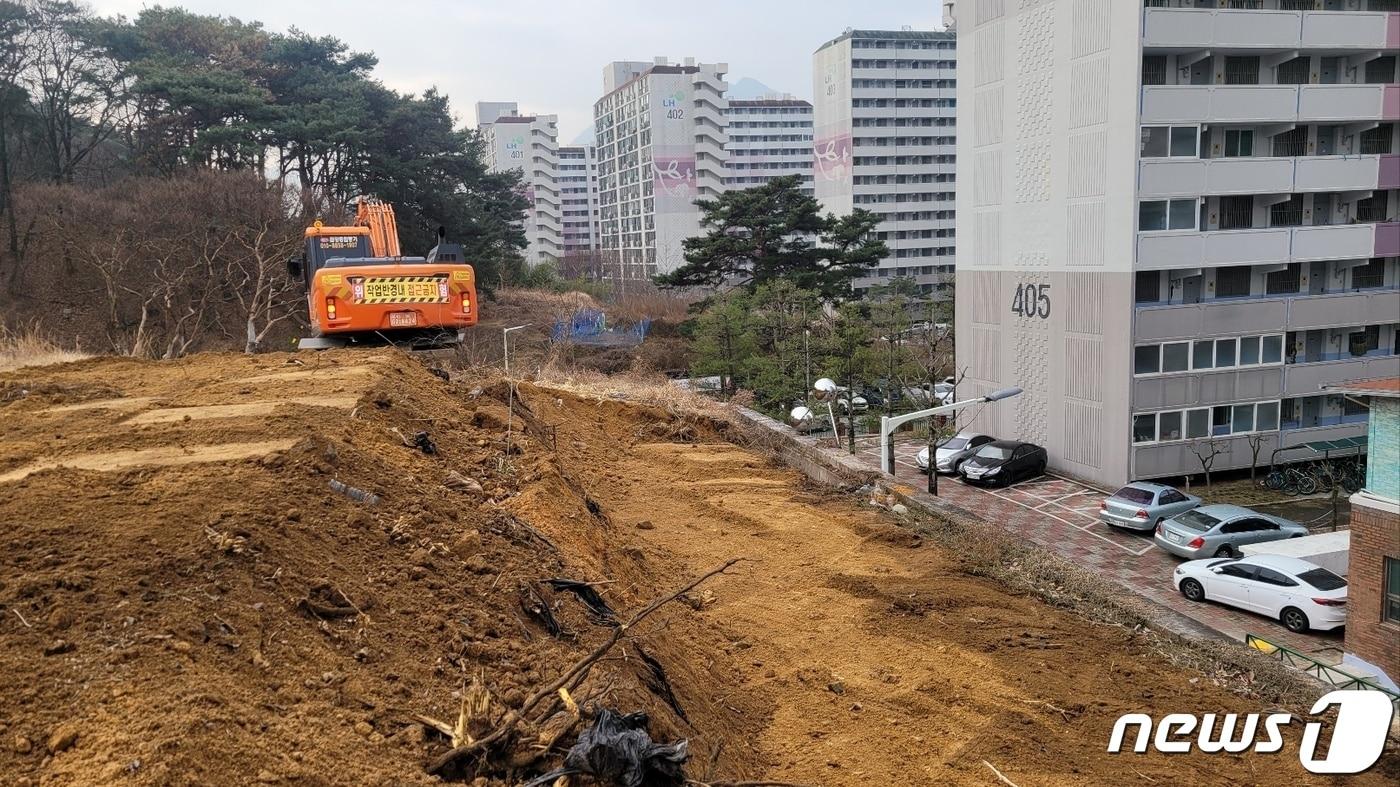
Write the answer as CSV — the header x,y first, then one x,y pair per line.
x,y
590,326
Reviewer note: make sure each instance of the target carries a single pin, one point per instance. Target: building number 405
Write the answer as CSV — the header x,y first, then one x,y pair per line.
x,y
1032,300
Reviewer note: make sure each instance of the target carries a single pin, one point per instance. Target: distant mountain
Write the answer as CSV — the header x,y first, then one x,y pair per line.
x,y
747,89
585,137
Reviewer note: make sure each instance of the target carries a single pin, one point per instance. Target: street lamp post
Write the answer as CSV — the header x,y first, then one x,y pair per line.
x,y
510,384
888,424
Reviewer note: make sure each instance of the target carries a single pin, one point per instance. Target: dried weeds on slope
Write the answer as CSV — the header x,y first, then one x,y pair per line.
x,y
28,347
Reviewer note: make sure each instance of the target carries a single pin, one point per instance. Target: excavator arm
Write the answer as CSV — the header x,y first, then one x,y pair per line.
x,y
383,232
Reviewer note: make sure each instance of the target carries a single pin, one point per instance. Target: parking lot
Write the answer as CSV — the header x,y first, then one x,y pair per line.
x,y
1061,514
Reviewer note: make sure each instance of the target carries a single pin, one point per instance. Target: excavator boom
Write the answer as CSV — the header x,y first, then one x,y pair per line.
x,y
383,230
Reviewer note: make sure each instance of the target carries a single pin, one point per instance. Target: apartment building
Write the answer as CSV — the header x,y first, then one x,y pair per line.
x,y
528,143
578,191
660,145
885,141
1177,224
769,138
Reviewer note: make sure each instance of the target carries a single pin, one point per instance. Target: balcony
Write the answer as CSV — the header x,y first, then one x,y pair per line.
x,y
865,72
1167,250
1304,379
1264,29
1166,177
1266,314
1268,103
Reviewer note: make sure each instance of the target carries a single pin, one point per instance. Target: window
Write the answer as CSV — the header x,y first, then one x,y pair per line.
x,y
1238,571
1287,214
1372,274
1295,71
1197,423
1169,141
1284,282
1203,354
1372,208
1232,281
1322,579
1266,417
1172,496
1175,357
1236,212
1144,428
1291,143
1224,353
1380,71
1169,426
1242,420
1157,215
1133,494
1272,351
1390,610
1365,340
1376,140
1218,421
1239,142
1271,577
1356,405
1242,70
1154,69
1249,351
1147,359
1148,286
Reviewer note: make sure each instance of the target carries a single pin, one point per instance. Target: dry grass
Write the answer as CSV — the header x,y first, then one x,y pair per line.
x,y
658,305
642,388
28,347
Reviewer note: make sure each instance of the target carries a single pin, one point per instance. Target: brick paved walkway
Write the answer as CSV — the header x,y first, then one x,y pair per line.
x,y
1062,515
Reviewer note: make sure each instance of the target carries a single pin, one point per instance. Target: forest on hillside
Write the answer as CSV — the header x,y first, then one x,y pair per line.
x,y
157,171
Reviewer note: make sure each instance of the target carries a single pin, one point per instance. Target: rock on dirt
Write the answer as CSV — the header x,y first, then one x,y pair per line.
x,y
460,483
63,738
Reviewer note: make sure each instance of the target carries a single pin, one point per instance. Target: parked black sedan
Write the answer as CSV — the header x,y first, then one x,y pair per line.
x,y
1003,462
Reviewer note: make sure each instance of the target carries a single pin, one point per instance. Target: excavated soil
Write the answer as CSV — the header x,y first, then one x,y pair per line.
x,y
184,598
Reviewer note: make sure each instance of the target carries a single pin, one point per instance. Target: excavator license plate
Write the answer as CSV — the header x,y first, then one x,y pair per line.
x,y
403,319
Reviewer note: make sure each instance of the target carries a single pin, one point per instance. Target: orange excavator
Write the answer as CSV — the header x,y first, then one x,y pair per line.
x,y
361,290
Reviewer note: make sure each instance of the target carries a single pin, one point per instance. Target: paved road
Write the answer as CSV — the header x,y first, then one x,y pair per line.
x,y
1062,515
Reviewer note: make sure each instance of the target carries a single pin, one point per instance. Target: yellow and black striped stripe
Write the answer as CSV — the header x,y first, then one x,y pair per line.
x,y
404,299
373,289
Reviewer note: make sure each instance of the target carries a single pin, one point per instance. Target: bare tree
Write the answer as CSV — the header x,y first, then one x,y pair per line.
x,y
251,262
1206,452
1256,444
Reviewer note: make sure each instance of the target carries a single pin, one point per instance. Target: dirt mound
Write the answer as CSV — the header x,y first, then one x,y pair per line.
x,y
179,606
186,595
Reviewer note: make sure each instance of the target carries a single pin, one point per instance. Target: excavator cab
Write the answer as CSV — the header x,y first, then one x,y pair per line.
x,y
360,290
324,244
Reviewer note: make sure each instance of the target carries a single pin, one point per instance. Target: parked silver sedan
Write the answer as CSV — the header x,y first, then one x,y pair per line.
x,y
1142,506
1218,530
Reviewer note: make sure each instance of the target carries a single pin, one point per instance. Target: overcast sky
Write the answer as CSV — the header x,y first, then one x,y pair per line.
x,y
549,56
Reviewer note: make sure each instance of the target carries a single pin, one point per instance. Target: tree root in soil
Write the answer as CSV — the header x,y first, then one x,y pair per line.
x,y
466,747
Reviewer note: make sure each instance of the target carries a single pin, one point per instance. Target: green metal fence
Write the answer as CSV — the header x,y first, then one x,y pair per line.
x,y
1328,673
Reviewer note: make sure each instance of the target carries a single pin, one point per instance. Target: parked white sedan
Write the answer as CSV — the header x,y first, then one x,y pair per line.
x,y
1294,592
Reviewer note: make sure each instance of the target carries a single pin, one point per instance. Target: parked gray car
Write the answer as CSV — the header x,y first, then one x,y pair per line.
x,y
1218,530
1142,506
